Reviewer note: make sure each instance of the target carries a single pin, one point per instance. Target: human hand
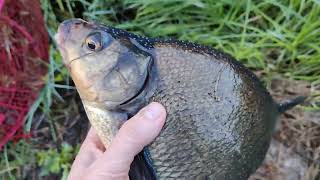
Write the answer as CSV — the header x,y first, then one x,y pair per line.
x,y
96,162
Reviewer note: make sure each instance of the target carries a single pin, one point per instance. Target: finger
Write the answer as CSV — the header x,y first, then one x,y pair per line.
x,y
139,131
93,139
90,150
136,133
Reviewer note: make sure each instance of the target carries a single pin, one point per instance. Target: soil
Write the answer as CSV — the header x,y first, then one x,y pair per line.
x,y
294,153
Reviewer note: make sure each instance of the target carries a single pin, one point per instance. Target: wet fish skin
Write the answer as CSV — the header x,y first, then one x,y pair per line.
x,y
220,117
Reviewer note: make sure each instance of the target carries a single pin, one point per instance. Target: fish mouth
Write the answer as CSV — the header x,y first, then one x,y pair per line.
x,y
63,34
60,37
65,27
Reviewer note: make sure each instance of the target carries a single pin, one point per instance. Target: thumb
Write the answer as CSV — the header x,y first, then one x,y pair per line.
x,y
134,134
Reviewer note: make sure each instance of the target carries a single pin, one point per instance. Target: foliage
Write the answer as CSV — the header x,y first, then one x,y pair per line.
x,y
273,36
276,38
14,158
52,161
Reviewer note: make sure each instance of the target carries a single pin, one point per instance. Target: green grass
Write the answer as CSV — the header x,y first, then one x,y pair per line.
x,y
277,38
272,36
15,159
268,35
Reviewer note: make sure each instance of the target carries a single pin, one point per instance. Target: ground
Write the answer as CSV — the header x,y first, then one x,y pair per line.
x,y
295,148
278,40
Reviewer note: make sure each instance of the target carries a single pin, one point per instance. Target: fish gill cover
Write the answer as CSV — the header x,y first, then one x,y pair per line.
x,y
23,55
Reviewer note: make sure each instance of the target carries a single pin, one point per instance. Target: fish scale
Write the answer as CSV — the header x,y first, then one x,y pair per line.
x,y
220,118
207,117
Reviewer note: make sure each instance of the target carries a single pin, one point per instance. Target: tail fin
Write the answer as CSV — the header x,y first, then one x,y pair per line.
x,y
291,103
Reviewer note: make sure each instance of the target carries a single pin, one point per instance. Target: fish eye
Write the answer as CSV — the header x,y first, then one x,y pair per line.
x,y
94,42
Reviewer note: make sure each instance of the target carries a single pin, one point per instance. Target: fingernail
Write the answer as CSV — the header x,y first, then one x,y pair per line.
x,y
153,111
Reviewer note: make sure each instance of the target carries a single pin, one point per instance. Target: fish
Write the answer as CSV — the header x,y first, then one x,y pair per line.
x,y
220,117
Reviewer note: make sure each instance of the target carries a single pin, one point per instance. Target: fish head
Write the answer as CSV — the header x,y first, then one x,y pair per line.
x,y
104,62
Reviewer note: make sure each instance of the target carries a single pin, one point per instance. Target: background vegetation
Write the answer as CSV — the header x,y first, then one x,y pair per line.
x,y
276,39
